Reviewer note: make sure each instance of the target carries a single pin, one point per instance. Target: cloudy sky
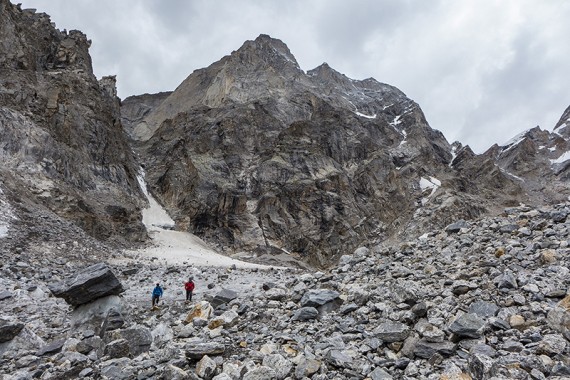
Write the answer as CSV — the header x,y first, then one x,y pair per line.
x,y
482,70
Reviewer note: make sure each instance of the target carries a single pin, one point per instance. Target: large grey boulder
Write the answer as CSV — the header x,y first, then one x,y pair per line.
x,y
139,338
101,315
392,331
457,226
484,309
425,350
559,317
280,365
305,314
197,350
117,349
91,283
468,325
223,297
319,297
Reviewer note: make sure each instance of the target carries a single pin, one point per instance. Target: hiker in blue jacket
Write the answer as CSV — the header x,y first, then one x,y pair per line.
x,y
156,294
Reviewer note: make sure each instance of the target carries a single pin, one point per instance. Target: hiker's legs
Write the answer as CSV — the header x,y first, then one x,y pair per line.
x,y
188,295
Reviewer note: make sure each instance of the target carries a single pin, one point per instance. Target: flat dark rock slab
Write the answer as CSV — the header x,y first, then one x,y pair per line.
x,y
88,285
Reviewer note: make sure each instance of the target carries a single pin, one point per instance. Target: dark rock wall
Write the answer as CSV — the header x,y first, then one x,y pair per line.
x,y
60,130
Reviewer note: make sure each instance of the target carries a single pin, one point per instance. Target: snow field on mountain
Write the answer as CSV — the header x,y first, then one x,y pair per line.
x,y
177,247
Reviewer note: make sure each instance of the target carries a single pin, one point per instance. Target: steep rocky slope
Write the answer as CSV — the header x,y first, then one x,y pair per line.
x,y
538,160
486,299
62,145
252,153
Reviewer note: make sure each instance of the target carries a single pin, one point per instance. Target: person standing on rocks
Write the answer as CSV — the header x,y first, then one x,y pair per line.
x,y
189,286
156,294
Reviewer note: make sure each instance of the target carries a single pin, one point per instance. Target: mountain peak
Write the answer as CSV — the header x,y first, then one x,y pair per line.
x,y
329,75
269,50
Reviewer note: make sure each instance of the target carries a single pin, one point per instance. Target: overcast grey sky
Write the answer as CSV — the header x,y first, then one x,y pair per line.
x,y
482,70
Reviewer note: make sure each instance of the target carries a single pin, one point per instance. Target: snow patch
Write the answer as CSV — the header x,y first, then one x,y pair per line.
x,y
513,145
511,174
366,116
563,158
431,183
516,140
396,121
356,112
155,215
453,155
405,134
177,247
552,149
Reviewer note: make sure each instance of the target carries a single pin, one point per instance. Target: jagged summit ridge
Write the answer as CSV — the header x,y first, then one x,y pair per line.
x,y
267,49
563,125
366,98
264,70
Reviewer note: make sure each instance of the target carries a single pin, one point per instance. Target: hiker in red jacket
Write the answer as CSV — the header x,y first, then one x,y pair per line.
x,y
189,286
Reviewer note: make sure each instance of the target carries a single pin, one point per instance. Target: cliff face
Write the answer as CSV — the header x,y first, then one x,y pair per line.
x,y
252,153
62,145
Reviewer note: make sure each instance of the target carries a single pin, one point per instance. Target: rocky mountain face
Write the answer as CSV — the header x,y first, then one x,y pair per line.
x,y
485,299
135,108
252,153
538,160
63,152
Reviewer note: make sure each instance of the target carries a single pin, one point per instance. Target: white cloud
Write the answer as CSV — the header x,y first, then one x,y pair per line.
x,y
482,70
